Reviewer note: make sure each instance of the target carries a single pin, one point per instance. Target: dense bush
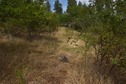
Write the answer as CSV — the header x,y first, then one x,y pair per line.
x,y
104,21
19,17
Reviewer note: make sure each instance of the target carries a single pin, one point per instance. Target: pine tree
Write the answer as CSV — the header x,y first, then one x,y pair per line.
x,y
58,7
80,4
71,4
48,5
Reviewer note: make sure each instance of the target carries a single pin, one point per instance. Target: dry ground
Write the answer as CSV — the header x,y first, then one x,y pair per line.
x,y
38,62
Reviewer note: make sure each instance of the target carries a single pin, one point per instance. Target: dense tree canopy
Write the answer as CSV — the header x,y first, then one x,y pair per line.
x,y
22,16
71,5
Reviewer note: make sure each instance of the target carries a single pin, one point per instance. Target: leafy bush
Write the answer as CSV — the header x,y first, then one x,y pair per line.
x,y
29,18
105,25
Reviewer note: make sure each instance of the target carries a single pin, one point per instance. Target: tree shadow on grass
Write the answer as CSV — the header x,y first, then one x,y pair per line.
x,y
12,55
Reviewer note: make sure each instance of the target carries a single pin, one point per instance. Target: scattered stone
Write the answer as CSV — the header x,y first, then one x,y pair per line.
x,y
63,58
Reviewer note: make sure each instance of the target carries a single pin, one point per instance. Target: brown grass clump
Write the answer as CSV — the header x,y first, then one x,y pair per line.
x,y
24,62
13,54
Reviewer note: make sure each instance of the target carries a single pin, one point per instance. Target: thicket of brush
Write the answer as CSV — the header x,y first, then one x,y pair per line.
x,y
102,25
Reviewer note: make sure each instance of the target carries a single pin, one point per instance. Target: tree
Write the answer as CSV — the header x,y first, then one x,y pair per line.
x,y
78,15
19,17
105,24
48,5
71,4
80,4
58,7
109,24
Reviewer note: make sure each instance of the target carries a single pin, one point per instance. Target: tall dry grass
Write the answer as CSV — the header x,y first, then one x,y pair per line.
x,y
86,73
36,62
19,58
13,55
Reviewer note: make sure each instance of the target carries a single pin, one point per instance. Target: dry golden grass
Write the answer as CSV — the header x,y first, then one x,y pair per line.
x,y
36,62
13,54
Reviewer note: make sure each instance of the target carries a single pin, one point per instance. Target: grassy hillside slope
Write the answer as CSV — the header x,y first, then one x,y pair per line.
x,y
40,61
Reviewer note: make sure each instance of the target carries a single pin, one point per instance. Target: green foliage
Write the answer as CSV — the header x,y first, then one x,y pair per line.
x,y
114,61
80,4
48,6
19,17
58,7
112,29
103,26
19,73
78,15
71,3
108,25
64,19
90,40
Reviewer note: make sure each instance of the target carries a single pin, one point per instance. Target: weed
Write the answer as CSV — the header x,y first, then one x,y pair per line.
x,y
19,73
